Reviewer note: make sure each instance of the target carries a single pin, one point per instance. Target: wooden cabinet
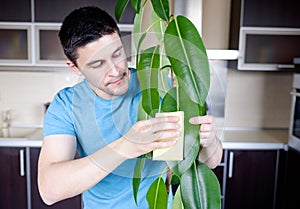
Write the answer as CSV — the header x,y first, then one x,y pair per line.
x,y
220,171
36,201
292,184
250,179
13,189
18,180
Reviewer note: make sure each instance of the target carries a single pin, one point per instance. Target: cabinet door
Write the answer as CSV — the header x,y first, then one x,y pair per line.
x,y
56,10
251,179
15,44
15,11
271,13
291,190
220,172
13,193
36,201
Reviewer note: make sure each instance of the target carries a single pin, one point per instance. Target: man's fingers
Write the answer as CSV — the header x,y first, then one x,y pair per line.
x,y
158,124
163,144
201,119
206,128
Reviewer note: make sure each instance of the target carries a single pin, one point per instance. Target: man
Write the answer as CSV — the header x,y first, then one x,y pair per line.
x,y
98,119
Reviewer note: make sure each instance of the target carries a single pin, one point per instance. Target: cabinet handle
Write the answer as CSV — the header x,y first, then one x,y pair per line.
x,y
230,169
22,167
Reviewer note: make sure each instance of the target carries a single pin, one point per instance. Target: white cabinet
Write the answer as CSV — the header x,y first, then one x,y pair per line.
x,y
15,43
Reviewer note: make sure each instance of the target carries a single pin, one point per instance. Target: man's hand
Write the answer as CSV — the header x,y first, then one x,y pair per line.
x,y
147,135
211,147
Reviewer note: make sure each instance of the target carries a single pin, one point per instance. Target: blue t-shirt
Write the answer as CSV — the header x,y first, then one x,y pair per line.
x,y
96,122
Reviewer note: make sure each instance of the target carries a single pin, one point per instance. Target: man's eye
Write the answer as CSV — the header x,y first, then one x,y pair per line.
x,y
97,65
118,53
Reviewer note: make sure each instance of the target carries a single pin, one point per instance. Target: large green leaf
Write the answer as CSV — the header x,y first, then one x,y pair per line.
x,y
119,8
177,201
169,102
159,26
163,85
148,71
140,162
187,54
191,132
200,188
136,5
161,8
137,29
157,195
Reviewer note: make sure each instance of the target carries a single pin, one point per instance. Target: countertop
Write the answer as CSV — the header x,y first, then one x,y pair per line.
x,y
255,139
231,139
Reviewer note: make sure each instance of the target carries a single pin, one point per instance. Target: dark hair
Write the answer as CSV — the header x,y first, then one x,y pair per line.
x,y
83,26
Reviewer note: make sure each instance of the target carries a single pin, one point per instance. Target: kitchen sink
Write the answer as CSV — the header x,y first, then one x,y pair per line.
x,y
21,133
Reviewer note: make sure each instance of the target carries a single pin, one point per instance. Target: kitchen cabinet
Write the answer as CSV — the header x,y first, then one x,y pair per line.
x,y
271,13
18,179
259,27
220,171
13,189
29,37
15,10
15,41
292,184
44,9
36,201
250,178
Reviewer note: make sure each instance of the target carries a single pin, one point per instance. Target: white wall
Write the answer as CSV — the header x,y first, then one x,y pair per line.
x,y
24,93
258,99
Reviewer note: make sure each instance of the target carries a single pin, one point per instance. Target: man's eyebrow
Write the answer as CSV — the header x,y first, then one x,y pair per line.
x,y
96,61
120,47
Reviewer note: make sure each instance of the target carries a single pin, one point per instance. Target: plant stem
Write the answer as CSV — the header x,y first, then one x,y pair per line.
x,y
177,94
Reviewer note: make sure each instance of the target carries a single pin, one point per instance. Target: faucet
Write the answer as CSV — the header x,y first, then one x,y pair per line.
x,y
6,120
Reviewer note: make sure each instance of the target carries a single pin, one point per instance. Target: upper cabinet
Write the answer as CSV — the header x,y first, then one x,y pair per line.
x,y
271,13
266,33
29,31
15,42
56,10
15,11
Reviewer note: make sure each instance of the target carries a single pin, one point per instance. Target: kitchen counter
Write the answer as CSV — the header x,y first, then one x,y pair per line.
x,y
255,139
231,139
23,137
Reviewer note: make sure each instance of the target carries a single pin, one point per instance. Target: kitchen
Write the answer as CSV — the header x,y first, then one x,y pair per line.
x,y
253,113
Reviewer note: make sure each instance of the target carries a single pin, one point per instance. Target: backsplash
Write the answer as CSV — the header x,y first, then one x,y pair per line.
x,y
258,99
24,93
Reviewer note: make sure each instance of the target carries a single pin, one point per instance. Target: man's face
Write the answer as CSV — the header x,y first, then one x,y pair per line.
x,y
103,63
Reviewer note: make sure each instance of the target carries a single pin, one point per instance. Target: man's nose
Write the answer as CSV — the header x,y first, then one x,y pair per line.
x,y
113,69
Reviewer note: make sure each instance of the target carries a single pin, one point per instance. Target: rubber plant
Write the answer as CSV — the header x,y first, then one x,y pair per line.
x,y
179,52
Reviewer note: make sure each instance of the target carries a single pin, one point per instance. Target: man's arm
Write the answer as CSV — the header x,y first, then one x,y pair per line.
x,y
61,177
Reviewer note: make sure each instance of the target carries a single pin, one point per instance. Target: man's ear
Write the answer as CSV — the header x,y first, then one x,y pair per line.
x,y
73,67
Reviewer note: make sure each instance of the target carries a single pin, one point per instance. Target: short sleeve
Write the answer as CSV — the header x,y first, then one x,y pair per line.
x,y
58,117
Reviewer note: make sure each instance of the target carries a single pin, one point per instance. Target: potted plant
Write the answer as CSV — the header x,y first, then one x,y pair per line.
x,y
179,52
